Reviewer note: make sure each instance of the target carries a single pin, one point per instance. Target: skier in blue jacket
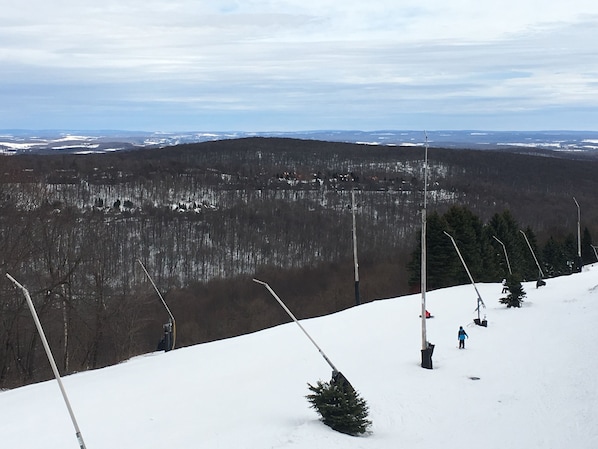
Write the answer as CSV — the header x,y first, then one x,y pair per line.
x,y
462,335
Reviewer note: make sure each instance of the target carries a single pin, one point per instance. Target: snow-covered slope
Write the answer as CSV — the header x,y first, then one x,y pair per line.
x,y
537,385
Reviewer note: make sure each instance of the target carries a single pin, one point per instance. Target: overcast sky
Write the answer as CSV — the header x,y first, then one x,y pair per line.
x,y
284,65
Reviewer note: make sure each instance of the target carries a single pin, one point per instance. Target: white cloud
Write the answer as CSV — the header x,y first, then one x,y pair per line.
x,y
303,54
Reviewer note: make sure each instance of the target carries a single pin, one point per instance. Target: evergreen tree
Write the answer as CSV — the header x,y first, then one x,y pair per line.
x,y
466,228
483,255
554,260
442,263
340,407
516,292
570,253
506,229
492,270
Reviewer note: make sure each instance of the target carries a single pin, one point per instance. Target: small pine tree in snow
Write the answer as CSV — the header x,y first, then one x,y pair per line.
x,y
516,292
340,407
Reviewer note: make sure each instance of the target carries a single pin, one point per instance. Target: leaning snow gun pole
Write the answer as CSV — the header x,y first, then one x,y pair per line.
x,y
50,359
533,254
506,255
286,309
172,322
336,374
480,302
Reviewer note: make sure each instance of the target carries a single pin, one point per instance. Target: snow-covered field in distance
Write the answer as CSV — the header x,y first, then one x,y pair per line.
x,y
567,143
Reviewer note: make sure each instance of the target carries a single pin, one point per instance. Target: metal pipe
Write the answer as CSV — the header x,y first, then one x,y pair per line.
x,y
50,359
505,251
163,302
533,254
286,309
423,250
480,301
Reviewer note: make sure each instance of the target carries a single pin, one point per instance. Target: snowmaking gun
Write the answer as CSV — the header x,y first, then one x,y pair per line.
x,y
337,377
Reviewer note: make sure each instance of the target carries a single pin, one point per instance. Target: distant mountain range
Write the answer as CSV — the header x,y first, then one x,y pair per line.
x,y
570,144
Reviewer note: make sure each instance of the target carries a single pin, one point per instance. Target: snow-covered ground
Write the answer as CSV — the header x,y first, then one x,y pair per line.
x,y
64,141
537,385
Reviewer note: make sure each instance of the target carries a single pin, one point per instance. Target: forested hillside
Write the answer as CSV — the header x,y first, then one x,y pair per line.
x,y
206,218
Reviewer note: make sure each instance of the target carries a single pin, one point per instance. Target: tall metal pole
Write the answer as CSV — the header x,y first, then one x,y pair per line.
x,y
50,359
163,302
578,231
533,254
480,301
289,313
357,300
423,250
505,251
426,348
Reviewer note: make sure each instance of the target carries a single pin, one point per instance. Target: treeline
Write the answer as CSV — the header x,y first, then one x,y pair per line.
x,y
492,251
206,218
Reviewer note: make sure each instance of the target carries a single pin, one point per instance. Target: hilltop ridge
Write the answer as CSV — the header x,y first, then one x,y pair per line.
x,y
571,144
